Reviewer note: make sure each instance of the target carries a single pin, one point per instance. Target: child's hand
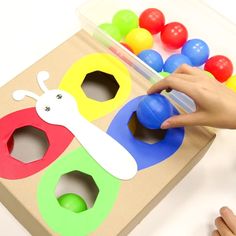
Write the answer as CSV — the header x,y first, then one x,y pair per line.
x,y
226,223
216,104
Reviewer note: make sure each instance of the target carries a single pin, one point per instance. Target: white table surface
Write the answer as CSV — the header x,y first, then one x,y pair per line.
x,y
29,29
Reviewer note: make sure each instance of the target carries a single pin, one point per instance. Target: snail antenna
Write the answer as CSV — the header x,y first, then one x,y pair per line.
x,y
21,94
41,77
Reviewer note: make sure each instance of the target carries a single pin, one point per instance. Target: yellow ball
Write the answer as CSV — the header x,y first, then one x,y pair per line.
x,y
139,39
231,83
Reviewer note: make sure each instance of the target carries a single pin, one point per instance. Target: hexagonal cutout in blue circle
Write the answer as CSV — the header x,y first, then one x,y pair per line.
x,y
146,154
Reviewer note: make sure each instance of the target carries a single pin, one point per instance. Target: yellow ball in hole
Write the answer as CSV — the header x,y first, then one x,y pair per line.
x,y
231,83
139,39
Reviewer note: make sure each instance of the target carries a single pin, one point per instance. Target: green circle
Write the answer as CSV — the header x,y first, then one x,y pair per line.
x,y
125,21
66,222
72,202
111,30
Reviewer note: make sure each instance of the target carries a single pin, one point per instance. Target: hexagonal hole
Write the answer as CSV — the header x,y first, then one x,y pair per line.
x,y
78,183
150,136
100,86
28,144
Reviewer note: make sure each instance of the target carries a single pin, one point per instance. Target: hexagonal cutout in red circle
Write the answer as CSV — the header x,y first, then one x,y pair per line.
x,y
58,138
29,144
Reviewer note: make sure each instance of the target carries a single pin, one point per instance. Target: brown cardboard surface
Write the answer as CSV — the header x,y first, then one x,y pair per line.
x,y
137,196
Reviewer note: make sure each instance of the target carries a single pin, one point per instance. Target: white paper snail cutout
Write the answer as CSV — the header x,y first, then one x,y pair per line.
x,y
60,108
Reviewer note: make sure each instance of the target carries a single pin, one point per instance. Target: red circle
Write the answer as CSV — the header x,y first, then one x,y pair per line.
x,y
153,20
174,35
10,144
127,46
220,66
58,137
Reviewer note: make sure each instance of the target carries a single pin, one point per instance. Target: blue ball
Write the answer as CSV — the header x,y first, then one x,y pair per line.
x,y
152,58
197,51
174,61
153,110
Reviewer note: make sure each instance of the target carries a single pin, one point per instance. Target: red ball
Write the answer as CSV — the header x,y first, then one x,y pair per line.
x,y
127,46
220,66
152,20
174,35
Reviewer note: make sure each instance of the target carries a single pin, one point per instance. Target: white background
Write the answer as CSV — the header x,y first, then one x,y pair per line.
x,y
29,29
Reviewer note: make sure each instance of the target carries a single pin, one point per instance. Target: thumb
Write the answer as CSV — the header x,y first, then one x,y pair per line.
x,y
191,119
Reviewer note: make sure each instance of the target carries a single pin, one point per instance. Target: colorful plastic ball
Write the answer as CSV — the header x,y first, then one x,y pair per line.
x,y
197,51
152,58
153,110
73,202
164,74
153,20
125,21
231,83
220,66
139,39
111,30
174,61
127,46
174,35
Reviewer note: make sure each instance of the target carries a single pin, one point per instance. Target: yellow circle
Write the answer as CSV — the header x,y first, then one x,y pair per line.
x,y
231,83
74,77
139,39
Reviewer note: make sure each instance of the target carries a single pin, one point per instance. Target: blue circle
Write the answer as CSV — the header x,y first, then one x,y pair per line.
x,y
174,61
153,110
152,58
197,51
145,154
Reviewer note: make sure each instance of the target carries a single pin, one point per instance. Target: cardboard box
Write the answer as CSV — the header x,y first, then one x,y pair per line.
x,y
21,188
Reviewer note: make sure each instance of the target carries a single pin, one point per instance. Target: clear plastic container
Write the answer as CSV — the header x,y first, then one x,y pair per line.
x,y
200,18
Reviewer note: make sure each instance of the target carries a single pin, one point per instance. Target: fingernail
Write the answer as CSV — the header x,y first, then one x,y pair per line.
x,y
225,208
165,125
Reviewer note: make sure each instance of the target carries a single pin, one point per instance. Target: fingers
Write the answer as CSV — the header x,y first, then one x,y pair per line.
x,y
186,69
178,80
191,119
172,82
185,77
215,233
222,227
229,218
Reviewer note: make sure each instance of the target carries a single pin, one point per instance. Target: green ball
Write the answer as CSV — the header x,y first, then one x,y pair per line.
x,y
125,21
164,74
72,202
111,30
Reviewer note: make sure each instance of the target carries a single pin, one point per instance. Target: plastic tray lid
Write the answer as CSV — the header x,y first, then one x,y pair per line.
x,y
201,18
